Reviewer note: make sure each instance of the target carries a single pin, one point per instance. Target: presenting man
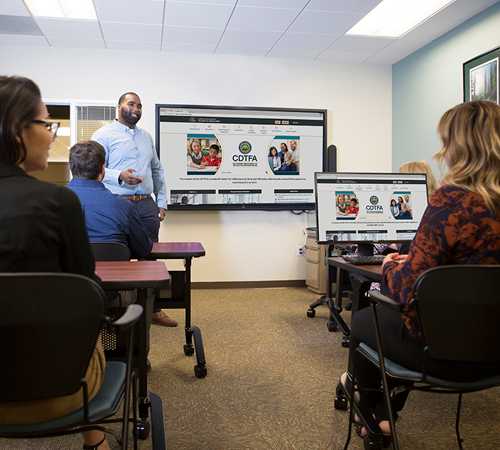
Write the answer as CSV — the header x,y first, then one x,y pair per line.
x,y
134,171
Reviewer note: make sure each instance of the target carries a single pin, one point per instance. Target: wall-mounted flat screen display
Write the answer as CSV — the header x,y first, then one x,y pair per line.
x,y
218,157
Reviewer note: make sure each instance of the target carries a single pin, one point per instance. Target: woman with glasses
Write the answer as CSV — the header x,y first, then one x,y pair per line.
x,y
42,229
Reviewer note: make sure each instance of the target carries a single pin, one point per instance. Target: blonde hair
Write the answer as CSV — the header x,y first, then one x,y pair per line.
x,y
190,146
421,167
470,133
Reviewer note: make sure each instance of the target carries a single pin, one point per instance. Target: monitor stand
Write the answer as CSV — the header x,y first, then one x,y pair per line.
x,y
365,249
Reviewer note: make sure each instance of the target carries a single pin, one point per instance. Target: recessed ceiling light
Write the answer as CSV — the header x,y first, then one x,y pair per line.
x,y
394,18
70,9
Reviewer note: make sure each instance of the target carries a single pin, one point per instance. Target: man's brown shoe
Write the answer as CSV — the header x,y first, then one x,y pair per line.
x,y
160,318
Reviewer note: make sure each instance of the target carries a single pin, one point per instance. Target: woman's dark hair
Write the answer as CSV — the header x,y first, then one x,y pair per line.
x,y
19,105
393,201
271,151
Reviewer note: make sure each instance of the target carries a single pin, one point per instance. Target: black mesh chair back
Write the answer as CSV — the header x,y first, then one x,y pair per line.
x,y
458,308
49,324
110,251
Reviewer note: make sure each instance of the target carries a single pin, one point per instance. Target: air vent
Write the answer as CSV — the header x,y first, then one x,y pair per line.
x,y
19,25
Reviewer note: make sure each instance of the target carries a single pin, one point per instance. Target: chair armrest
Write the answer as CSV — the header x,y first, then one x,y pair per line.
x,y
129,318
383,300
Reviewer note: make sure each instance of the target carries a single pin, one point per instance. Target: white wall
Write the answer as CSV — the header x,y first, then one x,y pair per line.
x,y
429,82
247,245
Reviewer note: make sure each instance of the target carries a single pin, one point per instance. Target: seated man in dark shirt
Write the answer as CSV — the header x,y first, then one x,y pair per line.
x,y
108,217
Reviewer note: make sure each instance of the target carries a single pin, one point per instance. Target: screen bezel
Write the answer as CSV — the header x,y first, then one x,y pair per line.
x,y
310,206
359,242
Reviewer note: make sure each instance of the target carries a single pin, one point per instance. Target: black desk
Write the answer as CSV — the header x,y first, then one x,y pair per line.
x,y
178,296
336,265
140,275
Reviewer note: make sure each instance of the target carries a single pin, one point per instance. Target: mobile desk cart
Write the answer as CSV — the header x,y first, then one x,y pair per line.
x,y
140,275
178,295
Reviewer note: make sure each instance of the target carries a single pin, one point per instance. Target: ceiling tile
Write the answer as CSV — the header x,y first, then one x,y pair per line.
x,y
285,4
125,32
255,39
19,25
346,6
395,51
359,44
306,41
301,54
76,43
431,29
66,28
211,2
246,51
463,10
35,41
325,22
13,8
262,19
197,15
343,57
130,11
138,46
184,48
192,35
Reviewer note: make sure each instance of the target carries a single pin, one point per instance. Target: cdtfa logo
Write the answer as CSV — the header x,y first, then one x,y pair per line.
x,y
374,200
245,147
374,206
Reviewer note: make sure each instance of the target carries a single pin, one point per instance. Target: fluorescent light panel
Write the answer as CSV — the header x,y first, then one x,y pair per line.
x,y
393,18
70,9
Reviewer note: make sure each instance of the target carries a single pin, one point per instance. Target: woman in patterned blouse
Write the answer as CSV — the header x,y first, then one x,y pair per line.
x,y
460,226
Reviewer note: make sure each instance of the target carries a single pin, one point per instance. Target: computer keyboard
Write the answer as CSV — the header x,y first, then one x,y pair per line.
x,y
364,260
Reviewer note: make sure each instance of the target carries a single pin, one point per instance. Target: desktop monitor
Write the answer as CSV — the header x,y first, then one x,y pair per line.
x,y
366,208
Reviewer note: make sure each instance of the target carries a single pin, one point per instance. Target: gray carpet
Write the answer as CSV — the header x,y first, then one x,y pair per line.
x,y
271,381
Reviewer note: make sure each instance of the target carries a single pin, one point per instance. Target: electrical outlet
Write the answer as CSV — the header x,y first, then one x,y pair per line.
x,y
299,250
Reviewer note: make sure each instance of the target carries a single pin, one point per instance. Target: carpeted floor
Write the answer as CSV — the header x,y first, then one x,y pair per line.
x,y
271,381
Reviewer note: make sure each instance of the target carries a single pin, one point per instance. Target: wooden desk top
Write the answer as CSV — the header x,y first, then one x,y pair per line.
x,y
176,250
371,271
126,275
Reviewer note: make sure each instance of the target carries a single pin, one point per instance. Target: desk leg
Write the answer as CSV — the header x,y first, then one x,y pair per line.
x,y
143,381
192,332
336,309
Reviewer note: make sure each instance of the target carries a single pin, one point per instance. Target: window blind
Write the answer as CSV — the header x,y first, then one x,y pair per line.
x,y
91,118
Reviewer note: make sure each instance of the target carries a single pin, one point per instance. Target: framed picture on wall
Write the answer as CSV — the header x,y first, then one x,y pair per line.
x,y
481,77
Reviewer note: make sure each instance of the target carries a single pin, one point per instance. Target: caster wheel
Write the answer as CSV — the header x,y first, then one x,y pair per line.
x,y
345,342
200,372
332,325
340,402
348,307
311,312
188,349
143,429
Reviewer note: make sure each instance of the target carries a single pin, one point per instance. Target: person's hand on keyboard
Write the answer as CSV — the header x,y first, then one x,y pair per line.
x,y
396,257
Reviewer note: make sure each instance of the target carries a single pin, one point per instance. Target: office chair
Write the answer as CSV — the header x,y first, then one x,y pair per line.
x,y
459,322
110,251
49,325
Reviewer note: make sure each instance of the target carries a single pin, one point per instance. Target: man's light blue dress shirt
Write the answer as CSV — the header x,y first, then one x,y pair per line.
x,y
132,149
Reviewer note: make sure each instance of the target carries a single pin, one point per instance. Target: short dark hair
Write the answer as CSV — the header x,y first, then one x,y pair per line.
x,y
215,147
19,104
120,100
86,159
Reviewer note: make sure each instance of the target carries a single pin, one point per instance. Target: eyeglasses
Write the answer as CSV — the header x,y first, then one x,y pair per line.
x,y
52,125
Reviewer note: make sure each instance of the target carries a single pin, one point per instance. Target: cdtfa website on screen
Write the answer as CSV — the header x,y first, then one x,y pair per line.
x,y
369,207
223,156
